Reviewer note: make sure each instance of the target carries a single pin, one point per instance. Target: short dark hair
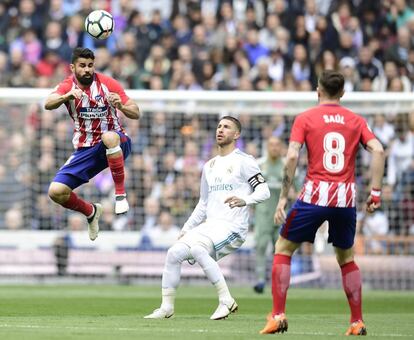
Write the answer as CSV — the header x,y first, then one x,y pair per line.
x,y
234,120
82,52
332,82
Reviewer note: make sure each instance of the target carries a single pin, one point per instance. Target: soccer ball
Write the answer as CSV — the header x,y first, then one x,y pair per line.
x,y
99,24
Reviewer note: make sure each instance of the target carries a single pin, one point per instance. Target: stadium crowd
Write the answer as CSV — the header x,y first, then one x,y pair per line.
x,y
267,45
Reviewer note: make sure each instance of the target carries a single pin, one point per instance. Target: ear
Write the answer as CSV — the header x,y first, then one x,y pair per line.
x,y
72,67
342,93
237,135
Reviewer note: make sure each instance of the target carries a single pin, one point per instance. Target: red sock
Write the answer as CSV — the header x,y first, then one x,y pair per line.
x,y
78,204
351,281
280,282
116,164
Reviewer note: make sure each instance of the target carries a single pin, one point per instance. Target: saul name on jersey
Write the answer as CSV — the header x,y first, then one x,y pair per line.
x,y
334,119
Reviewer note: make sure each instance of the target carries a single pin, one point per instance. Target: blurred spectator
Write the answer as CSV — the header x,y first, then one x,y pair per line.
x,y
383,130
375,224
76,222
401,153
54,41
253,48
165,232
13,218
367,65
383,81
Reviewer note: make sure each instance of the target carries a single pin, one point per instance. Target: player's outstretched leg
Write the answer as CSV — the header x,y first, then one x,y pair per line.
x,y
276,321
227,304
93,225
352,282
170,280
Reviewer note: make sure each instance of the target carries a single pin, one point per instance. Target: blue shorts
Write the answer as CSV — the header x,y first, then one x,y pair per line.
x,y
86,163
304,219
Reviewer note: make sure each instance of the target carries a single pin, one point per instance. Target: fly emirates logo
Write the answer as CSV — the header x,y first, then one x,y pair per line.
x,y
219,186
334,119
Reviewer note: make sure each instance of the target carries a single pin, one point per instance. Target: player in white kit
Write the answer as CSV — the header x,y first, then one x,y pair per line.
x,y
219,223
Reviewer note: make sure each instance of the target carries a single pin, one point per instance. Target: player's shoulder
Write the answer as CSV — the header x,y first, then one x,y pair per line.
x,y
243,155
64,86
105,79
244,158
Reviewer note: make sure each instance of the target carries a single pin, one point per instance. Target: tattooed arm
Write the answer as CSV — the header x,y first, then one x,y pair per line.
x,y
288,177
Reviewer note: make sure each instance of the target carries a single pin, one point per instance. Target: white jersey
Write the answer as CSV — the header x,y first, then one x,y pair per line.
x,y
236,174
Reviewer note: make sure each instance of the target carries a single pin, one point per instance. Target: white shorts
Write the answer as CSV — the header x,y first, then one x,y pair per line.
x,y
217,237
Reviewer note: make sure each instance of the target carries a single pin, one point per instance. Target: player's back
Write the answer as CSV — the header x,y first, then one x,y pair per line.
x,y
332,135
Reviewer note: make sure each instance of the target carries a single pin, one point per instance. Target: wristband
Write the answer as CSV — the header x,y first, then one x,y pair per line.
x,y
375,195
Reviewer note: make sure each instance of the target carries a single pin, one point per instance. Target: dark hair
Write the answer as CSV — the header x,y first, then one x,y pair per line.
x,y
81,52
234,120
332,83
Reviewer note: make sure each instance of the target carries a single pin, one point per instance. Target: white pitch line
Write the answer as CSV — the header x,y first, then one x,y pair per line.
x,y
172,330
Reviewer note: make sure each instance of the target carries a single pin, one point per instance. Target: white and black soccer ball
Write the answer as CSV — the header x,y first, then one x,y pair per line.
x,y
99,24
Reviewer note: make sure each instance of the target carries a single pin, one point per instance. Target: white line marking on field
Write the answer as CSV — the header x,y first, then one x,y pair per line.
x,y
172,330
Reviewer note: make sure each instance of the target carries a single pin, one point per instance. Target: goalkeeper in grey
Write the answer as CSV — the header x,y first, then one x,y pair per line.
x,y
230,182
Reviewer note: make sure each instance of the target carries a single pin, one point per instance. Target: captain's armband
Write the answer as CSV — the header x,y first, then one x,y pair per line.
x,y
255,180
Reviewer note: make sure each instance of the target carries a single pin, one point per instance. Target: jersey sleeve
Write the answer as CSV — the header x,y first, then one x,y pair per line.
x,y
252,172
116,87
366,133
64,87
298,130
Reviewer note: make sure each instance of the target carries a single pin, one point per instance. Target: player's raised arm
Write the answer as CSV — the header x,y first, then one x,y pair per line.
x,y
129,109
54,100
377,172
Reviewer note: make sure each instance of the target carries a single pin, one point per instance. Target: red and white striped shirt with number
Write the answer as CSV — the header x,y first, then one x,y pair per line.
x,y
92,114
332,135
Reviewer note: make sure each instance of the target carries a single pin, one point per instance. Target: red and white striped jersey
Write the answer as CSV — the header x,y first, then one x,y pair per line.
x,y
92,114
332,135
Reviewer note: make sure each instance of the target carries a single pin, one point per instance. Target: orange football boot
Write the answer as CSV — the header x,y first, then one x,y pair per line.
x,y
276,324
357,328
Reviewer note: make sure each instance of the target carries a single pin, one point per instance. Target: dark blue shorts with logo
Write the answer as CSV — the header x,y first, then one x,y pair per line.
x,y
304,219
86,163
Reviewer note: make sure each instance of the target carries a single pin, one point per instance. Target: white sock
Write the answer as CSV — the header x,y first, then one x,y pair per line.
x,y
212,271
168,298
172,273
223,292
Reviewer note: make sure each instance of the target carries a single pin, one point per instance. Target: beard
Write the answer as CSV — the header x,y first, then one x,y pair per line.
x,y
85,80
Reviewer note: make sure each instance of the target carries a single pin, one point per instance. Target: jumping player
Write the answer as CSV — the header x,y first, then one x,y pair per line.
x,y
92,100
332,135
219,223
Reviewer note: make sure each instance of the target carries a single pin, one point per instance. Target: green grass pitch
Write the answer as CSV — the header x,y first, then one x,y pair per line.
x,y
116,312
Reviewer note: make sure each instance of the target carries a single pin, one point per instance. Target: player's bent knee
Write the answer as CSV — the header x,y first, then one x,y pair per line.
x,y
177,253
198,250
285,247
58,192
111,139
344,255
